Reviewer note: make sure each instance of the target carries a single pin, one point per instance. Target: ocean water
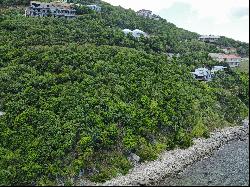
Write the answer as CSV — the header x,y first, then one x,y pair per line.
x,y
228,166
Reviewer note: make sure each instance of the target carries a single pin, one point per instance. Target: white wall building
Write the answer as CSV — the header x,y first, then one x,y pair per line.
x,y
209,38
136,33
232,60
147,14
95,8
144,13
202,74
55,9
216,69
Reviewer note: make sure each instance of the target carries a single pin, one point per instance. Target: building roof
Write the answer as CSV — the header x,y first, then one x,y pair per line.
x,y
53,4
138,31
201,72
143,10
135,32
231,56
126,31
209,36
218,68
216,55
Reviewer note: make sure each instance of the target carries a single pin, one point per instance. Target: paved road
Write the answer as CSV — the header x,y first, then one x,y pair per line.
x,y
228,166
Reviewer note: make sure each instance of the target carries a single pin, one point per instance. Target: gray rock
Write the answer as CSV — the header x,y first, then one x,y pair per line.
x,y
134,159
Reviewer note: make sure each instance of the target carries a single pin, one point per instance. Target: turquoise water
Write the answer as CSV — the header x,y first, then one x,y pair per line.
x,y
229,166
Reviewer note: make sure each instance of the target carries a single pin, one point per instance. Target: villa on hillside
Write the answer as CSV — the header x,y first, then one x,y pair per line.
x,y
229,50
216,69
54,9
95,8
147,14
232,59
204,74
144,13
136,33
209,38
1,113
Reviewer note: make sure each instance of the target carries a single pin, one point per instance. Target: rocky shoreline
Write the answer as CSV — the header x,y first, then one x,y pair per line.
x,y
172,162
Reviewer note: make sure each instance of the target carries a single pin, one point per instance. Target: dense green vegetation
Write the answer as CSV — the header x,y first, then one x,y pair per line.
x,y
80,95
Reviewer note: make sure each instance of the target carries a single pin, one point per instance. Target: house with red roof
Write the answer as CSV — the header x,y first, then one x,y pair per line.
x,y
232,60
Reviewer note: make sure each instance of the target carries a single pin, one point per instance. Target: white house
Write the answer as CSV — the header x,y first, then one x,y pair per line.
x,y
202,74
55,9
127,31
1,113
232,59
147,14
216,69
144,13
136,33
95,8
209,38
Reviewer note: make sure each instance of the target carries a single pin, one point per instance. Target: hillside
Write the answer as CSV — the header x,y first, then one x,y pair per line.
x,y
80,97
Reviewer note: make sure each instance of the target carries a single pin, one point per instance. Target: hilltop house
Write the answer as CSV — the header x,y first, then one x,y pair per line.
x,y
147,14
232,59
209,38
136,33
144,13
95,8
216,69
202,74
55,9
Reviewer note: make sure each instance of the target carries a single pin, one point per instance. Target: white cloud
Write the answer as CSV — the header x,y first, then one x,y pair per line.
x,y
202,16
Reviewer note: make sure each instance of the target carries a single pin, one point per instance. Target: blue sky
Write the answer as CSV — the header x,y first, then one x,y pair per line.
x,y
219,17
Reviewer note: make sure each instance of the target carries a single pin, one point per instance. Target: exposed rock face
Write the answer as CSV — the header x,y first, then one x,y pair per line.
x,y
171,162
134,159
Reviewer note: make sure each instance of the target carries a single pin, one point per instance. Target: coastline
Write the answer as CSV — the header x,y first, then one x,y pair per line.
x,y
172,162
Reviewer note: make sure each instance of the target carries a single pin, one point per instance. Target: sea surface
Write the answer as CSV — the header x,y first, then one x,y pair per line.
x,y
228,166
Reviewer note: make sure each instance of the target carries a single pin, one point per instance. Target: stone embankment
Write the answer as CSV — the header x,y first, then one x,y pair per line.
x,y
175,161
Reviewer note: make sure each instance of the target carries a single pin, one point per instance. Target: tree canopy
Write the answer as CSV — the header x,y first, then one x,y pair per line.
x,y
79,95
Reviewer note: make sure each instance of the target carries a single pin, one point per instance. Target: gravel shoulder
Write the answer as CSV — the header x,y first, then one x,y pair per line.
x,y
175,161
228,166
